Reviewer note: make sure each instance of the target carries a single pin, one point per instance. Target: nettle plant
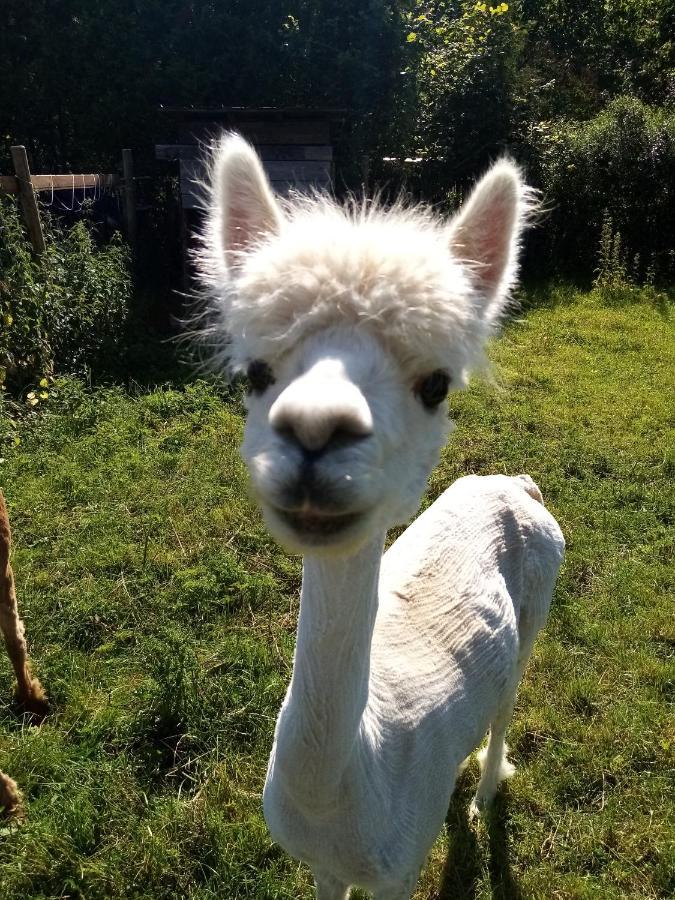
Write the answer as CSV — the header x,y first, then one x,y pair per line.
x,y
62,311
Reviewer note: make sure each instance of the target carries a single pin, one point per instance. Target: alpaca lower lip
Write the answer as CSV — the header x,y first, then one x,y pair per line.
x,y
316,523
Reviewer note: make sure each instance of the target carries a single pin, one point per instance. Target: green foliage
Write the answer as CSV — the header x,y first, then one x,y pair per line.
x,y
63,311
544,83
462,56
579,53
622,161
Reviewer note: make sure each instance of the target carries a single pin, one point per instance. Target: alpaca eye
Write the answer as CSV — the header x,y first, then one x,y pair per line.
x,y
259,376
433,389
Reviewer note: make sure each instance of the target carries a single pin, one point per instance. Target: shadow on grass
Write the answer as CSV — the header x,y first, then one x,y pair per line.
x,y
463,866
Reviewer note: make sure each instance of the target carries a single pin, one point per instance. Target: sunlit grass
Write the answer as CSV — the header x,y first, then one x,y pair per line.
x,y
161,620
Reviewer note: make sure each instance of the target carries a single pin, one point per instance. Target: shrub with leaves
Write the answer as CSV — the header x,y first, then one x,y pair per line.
x,y
63,311
616,282
461,56
619,164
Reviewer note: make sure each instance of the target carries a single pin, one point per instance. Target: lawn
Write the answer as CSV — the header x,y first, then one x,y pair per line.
x,y
161,622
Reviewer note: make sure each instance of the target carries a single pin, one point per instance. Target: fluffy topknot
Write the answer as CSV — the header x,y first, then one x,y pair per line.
x,y
276,271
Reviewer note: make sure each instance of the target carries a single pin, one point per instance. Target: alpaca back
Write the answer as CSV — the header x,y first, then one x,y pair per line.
x,y
461,590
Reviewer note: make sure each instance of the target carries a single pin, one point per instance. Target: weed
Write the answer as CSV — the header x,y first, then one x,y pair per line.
x,y
63,311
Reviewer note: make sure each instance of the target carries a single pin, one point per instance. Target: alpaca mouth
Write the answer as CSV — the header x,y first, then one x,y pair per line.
x,y
312,523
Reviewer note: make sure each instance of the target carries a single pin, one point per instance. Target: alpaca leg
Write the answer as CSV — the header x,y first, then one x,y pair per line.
x,y
29,689
329,888
494,765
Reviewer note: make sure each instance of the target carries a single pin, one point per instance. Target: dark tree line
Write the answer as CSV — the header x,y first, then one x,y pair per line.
x,y
81,78
582,92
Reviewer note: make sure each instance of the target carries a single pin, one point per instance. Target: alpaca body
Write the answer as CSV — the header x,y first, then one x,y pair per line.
x,y
461,596
352,323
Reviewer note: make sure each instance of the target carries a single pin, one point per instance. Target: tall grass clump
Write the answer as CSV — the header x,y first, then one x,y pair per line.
x,y
64,311
619,280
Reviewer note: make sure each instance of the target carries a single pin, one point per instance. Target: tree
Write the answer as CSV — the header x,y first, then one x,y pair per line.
x,y
82,78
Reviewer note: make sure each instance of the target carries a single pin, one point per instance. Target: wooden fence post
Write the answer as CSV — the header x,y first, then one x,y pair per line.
x,y
129,195
29,205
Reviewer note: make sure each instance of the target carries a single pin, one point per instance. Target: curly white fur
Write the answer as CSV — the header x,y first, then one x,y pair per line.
x,y
293,270
403,661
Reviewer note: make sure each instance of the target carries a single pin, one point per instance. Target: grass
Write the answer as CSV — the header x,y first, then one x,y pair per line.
x,y
161,620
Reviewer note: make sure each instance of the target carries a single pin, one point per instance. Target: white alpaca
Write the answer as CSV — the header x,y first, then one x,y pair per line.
x,y
352,324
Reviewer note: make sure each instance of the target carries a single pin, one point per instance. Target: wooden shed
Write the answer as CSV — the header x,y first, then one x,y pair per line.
x,y
295,145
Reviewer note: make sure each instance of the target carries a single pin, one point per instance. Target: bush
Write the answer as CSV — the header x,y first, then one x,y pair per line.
x,y
618,165
63,311
461,56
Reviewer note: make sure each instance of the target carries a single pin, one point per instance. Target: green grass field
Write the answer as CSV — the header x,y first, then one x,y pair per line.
x,y
161,622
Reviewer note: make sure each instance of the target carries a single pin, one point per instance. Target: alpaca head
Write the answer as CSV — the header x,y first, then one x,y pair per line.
x,y
352,324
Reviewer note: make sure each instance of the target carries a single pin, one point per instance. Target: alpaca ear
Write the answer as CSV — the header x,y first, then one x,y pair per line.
x,y
485,234
242,197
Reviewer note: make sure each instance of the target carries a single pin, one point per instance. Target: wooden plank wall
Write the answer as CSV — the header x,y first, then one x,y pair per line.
x,y
292,131
296,155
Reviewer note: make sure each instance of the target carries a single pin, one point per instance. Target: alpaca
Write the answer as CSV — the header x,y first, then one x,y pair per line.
x,y
351,325
30,693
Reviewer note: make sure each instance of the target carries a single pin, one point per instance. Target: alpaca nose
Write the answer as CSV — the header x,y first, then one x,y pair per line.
x,y
318,411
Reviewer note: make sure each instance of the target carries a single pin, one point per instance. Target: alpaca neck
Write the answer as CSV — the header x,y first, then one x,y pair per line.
x,y
319,725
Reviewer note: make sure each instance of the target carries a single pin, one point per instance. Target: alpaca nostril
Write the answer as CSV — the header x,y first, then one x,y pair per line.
x,y
340,439
315,439
286,432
